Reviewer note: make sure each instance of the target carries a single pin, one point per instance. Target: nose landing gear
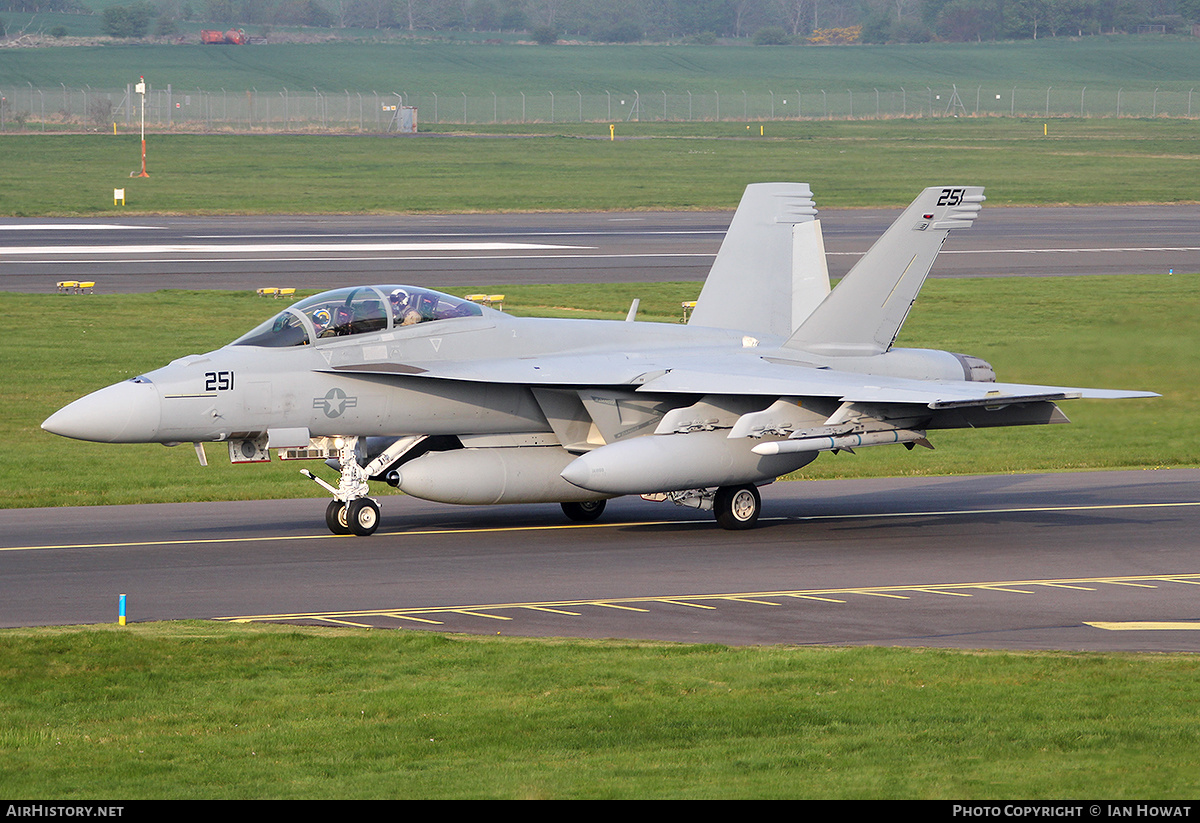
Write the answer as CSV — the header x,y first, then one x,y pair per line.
x,y
351,511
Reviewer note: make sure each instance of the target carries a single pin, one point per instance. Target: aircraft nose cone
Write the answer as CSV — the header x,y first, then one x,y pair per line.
x,y
126,412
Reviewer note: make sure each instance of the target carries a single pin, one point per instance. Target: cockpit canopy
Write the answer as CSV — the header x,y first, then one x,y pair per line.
x,y
356,310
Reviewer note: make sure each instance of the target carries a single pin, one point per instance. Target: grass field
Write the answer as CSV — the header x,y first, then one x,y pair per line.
x,y
1100,63
653,166
203,711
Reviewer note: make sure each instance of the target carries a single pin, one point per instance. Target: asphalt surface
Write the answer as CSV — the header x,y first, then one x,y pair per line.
x,y
477,251
1094,561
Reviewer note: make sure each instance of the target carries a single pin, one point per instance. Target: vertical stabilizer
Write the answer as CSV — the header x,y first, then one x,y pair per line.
x,y
810,274
770,271
863,315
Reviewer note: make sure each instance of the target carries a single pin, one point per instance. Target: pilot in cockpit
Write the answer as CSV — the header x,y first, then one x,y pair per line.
x,y
343,319
404,308
321,320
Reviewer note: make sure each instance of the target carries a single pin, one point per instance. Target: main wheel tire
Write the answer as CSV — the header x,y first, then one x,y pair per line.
x,y
737,507
363,516
584,512
335,517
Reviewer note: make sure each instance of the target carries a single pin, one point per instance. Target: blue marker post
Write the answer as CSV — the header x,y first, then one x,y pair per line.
x,y
121,611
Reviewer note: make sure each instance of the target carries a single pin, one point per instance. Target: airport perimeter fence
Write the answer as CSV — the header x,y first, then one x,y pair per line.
x,y
30,108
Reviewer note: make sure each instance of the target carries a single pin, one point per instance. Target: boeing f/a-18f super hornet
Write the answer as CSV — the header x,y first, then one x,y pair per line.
x,y
452,401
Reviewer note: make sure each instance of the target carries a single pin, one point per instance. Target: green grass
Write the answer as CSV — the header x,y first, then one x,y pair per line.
x,y
202,711
680,166
1134,332
1100,63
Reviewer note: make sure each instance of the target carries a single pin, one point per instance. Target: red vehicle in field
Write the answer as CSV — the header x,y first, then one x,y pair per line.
x,y
233,37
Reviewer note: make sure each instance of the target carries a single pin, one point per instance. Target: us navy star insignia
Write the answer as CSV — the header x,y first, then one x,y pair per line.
x,y
334,403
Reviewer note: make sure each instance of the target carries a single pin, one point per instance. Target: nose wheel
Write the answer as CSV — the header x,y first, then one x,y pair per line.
x,y
335,517
363,516
359,517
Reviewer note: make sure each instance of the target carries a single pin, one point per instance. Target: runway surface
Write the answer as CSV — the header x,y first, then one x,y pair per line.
x,y
1093,561
476,251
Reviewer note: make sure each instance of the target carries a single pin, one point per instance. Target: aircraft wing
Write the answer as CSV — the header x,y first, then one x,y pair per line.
x,y
768,379
722,374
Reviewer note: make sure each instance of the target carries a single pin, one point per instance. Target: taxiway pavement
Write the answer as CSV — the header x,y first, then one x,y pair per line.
x,y
1090,561
482,251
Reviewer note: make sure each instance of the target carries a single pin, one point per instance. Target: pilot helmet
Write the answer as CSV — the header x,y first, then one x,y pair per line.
x,y
399,298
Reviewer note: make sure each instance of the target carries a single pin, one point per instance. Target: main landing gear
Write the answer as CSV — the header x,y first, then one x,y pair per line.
x,y
584,512
737,507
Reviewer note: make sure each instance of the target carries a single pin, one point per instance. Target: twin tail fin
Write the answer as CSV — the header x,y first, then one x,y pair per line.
x,y
863,315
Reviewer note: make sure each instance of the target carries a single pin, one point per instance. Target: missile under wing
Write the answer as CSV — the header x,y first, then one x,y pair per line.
x,y
456,402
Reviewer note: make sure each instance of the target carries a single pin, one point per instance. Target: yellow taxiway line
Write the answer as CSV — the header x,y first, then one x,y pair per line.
x,y
610,525
713,601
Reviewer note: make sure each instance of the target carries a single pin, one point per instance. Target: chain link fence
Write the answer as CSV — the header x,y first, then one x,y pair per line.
x,y
249,110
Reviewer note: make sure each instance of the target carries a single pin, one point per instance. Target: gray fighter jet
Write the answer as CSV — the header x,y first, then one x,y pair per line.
x,y
453,401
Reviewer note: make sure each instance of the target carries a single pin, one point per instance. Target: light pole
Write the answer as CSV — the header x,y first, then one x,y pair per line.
x,y
141,89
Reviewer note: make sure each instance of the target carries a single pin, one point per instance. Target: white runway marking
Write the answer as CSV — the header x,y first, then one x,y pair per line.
x,y
278,248
1050,251
1074,251
70,227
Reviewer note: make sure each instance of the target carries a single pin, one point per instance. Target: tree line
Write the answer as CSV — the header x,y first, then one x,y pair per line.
x,y
765,22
